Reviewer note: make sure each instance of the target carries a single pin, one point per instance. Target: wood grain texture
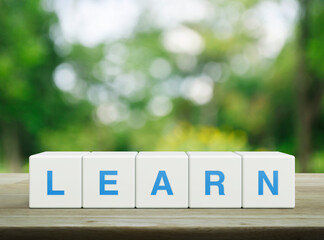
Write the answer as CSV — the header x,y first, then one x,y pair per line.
x,y
306,221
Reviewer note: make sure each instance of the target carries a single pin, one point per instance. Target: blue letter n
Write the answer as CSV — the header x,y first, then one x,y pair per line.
x,y
273,187
50,190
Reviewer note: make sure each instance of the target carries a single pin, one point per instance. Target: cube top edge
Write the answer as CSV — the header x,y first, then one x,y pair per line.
x,y
114,154
213,154
59,154
146,154
264,154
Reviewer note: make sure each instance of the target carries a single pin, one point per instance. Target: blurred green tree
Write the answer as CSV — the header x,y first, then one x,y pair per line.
x,y
30,102
310,78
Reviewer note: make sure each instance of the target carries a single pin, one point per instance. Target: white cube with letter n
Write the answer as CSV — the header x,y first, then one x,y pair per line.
x,y
268,180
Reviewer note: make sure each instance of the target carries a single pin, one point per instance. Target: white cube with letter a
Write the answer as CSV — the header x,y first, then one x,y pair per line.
x,y
268,180
55,180
109,180
162,180
214,180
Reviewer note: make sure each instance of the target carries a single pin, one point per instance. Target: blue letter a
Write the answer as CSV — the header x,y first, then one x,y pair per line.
x,y
273,188
162,175
50,190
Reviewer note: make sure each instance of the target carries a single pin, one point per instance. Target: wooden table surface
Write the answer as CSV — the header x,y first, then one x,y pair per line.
x,y
306,221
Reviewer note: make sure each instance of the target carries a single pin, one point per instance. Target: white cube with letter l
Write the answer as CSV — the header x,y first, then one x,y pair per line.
x,y
55,180
162,180
268,180
109,180
214,180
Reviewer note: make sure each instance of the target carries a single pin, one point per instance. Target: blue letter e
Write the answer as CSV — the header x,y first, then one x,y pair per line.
x,y
218,183
273,188
162,175
103,182
50,190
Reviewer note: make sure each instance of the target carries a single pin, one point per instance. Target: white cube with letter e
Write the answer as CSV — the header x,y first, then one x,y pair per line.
x,y
55,180
109,180
162,180
268,180
214,180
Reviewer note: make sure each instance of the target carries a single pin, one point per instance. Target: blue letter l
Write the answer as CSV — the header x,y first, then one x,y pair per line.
x,y
50,190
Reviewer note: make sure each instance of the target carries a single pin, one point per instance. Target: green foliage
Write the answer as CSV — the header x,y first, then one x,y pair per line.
x,y
185,137
121,105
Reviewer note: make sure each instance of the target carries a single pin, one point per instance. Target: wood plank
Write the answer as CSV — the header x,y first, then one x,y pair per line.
x,y
306,221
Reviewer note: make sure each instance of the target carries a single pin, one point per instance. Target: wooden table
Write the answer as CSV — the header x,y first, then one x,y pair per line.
x,y
306,221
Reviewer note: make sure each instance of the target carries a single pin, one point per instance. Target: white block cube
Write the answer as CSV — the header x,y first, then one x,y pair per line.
x,y
268,180
214,180
55,180
162,180
109,180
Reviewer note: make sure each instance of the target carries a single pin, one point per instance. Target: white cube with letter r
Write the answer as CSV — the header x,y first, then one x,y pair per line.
x,y
268,180
214,180
55,180
109,180
162,180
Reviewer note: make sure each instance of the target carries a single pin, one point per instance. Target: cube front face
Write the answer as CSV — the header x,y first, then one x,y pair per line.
x,y
214,180
268,180
109,180
55,180
162,180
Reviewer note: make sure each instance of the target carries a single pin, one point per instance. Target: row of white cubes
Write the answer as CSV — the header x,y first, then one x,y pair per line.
x,y
162,180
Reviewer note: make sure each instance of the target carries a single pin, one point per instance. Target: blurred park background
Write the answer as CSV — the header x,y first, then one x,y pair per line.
x,y
161,75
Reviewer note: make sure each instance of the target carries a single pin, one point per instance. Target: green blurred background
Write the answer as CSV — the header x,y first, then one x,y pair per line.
x,y
161,75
